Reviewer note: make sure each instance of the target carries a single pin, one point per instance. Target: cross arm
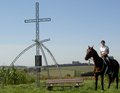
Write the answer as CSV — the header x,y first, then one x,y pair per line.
x,y
39,20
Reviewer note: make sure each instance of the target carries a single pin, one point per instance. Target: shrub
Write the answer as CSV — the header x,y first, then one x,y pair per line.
x,y
15,76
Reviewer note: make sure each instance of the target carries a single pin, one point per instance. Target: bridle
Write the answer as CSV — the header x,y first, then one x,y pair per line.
x,y
103,66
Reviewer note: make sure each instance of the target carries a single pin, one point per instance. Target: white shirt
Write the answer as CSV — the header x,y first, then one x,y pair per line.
x,y
104,49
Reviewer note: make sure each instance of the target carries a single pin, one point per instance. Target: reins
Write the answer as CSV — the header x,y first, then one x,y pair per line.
x,y
91,53
101,69
104,62
96,67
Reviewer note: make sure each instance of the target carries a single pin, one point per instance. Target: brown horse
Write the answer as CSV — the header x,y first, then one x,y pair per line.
x,y
101,68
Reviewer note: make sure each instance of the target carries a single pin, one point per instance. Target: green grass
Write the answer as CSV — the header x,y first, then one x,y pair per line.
x,y
88,87
54,72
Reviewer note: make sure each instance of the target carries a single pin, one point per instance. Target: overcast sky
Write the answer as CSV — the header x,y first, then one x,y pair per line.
x,y
75,24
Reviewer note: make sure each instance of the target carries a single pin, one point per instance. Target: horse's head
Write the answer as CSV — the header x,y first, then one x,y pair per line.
x,y
90,52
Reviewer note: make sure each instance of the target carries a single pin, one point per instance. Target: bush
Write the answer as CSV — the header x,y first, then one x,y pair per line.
x,y
15,76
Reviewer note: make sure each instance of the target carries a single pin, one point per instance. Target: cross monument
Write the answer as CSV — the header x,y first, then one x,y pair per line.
x,y
38,57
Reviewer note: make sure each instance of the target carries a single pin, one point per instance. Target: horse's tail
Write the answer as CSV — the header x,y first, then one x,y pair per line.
x,y
116,70
114,76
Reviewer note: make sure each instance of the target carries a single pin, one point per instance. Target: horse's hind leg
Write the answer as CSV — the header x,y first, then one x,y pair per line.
x,y
115,76
117,80
110,80
102,81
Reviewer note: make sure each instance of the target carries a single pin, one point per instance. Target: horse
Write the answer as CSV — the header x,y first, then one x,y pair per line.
x,y
101,68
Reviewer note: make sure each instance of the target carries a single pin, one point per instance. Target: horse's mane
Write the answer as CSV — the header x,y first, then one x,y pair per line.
x,y
96,54
97,59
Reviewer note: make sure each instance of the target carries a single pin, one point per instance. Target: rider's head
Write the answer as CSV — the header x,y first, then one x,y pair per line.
x,y
103,42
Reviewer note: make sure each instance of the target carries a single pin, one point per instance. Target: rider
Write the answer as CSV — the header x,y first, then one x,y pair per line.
x,y
104,51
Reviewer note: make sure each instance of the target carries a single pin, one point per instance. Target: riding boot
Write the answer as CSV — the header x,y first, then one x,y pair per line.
x,y
109,65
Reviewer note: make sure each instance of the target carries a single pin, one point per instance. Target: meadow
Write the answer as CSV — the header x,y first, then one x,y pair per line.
x,y
70,70
87,86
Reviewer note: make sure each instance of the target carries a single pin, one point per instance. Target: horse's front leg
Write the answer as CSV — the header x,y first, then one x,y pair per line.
x,y
96,81
102,81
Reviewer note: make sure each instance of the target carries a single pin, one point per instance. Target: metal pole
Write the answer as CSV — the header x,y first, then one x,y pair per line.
x,y
37,44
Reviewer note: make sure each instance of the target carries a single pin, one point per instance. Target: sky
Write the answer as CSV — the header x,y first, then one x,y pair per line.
x,y
74,25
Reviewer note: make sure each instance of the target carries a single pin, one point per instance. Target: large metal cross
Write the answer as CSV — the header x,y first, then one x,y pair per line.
x,y
37,20
38,58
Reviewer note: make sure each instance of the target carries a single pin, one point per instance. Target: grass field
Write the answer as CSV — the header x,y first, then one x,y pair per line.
x,y
88,87
54,72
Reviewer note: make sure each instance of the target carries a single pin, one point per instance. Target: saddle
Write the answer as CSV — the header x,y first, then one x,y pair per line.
x,y
111,57
109,60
